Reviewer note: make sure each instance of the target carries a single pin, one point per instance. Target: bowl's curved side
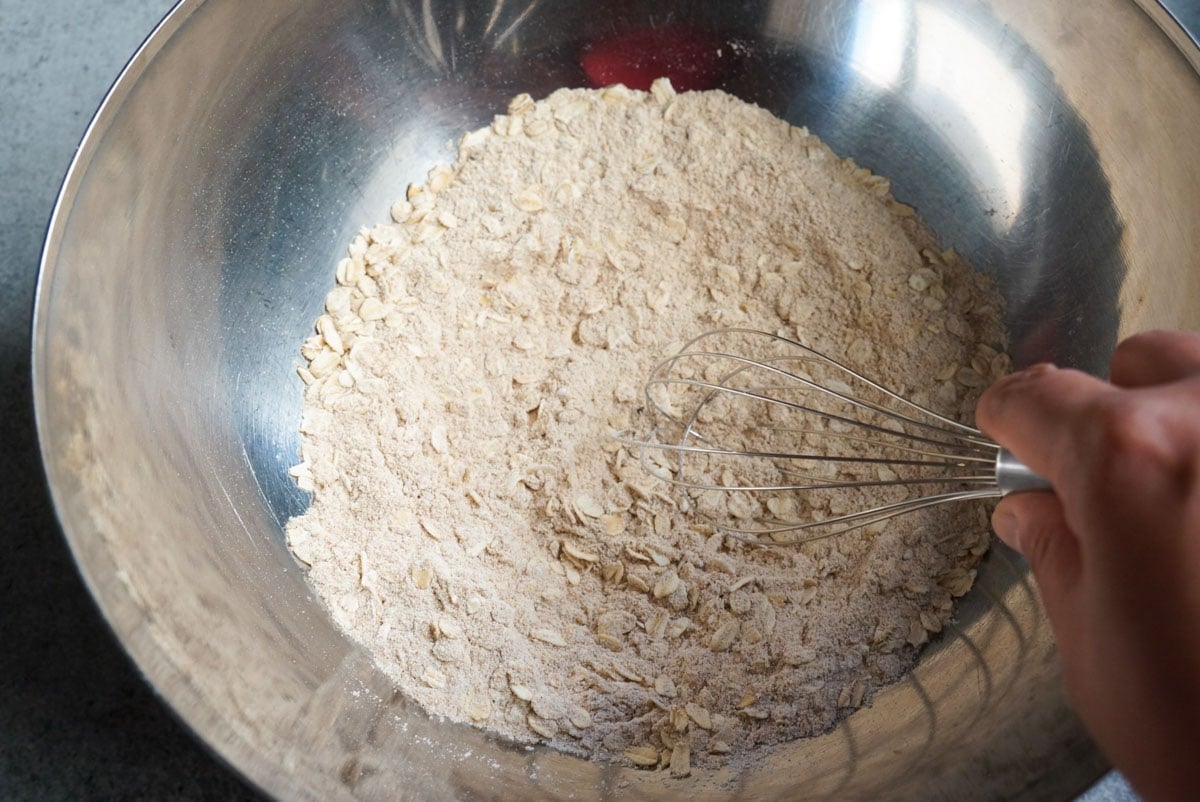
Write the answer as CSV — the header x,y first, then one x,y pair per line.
x,y
1180,20
245,143
95,467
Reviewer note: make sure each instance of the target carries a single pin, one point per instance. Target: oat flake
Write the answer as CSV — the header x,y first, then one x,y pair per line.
x,y
466,380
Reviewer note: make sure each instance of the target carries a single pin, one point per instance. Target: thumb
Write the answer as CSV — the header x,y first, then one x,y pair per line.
x,y
1033,524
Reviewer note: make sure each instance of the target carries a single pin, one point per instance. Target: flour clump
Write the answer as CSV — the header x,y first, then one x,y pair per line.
x,y
475,524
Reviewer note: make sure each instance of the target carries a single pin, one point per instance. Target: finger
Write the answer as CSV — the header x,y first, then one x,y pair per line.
x,y
1035,414
1156,357
1034,525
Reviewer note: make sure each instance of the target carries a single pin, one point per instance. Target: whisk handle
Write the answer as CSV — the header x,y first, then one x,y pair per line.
x,y
1013,476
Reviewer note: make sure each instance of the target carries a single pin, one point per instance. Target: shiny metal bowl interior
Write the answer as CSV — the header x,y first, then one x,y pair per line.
x,y
246,143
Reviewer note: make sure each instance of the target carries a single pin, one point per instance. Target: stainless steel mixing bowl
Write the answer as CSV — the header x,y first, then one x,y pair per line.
x,y
1052,142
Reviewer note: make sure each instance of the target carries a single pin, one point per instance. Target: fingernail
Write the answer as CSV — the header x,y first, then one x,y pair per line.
x,y
1007,527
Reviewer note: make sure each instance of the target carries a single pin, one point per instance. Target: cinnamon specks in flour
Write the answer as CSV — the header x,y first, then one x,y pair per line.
x,y
475,525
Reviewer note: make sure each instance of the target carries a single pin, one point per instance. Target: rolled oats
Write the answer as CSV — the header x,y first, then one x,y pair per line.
x,y
476,524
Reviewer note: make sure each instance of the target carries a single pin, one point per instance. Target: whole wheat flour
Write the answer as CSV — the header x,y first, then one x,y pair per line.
x,y
475,524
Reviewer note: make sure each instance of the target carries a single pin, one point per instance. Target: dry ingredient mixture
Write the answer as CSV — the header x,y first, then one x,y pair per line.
x,y
474,523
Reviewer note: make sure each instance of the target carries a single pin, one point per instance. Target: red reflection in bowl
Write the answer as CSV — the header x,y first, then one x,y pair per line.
x,y
691,59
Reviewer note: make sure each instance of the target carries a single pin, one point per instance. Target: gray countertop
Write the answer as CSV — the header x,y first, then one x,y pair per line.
x,y
76,719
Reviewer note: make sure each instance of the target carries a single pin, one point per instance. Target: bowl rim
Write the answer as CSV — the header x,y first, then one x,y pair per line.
x,y
1181,27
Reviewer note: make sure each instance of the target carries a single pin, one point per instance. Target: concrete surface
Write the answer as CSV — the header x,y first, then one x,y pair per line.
x,y
76,720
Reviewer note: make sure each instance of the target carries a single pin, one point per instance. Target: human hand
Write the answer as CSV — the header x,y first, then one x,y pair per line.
x,y
1115,549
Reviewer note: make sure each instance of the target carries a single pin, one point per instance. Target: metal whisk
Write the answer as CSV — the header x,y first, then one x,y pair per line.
x,y
782,444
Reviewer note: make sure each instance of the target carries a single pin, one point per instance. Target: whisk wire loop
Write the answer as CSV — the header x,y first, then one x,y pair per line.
x,y
771,423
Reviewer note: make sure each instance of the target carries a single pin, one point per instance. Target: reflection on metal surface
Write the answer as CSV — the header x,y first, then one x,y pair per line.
x,y
941,67
446,36
194,241
882,41
956,72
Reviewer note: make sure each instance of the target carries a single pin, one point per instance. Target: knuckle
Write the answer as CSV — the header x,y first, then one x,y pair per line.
x,y
1007,393
1130,438
1127,352
1133,350
1138,342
